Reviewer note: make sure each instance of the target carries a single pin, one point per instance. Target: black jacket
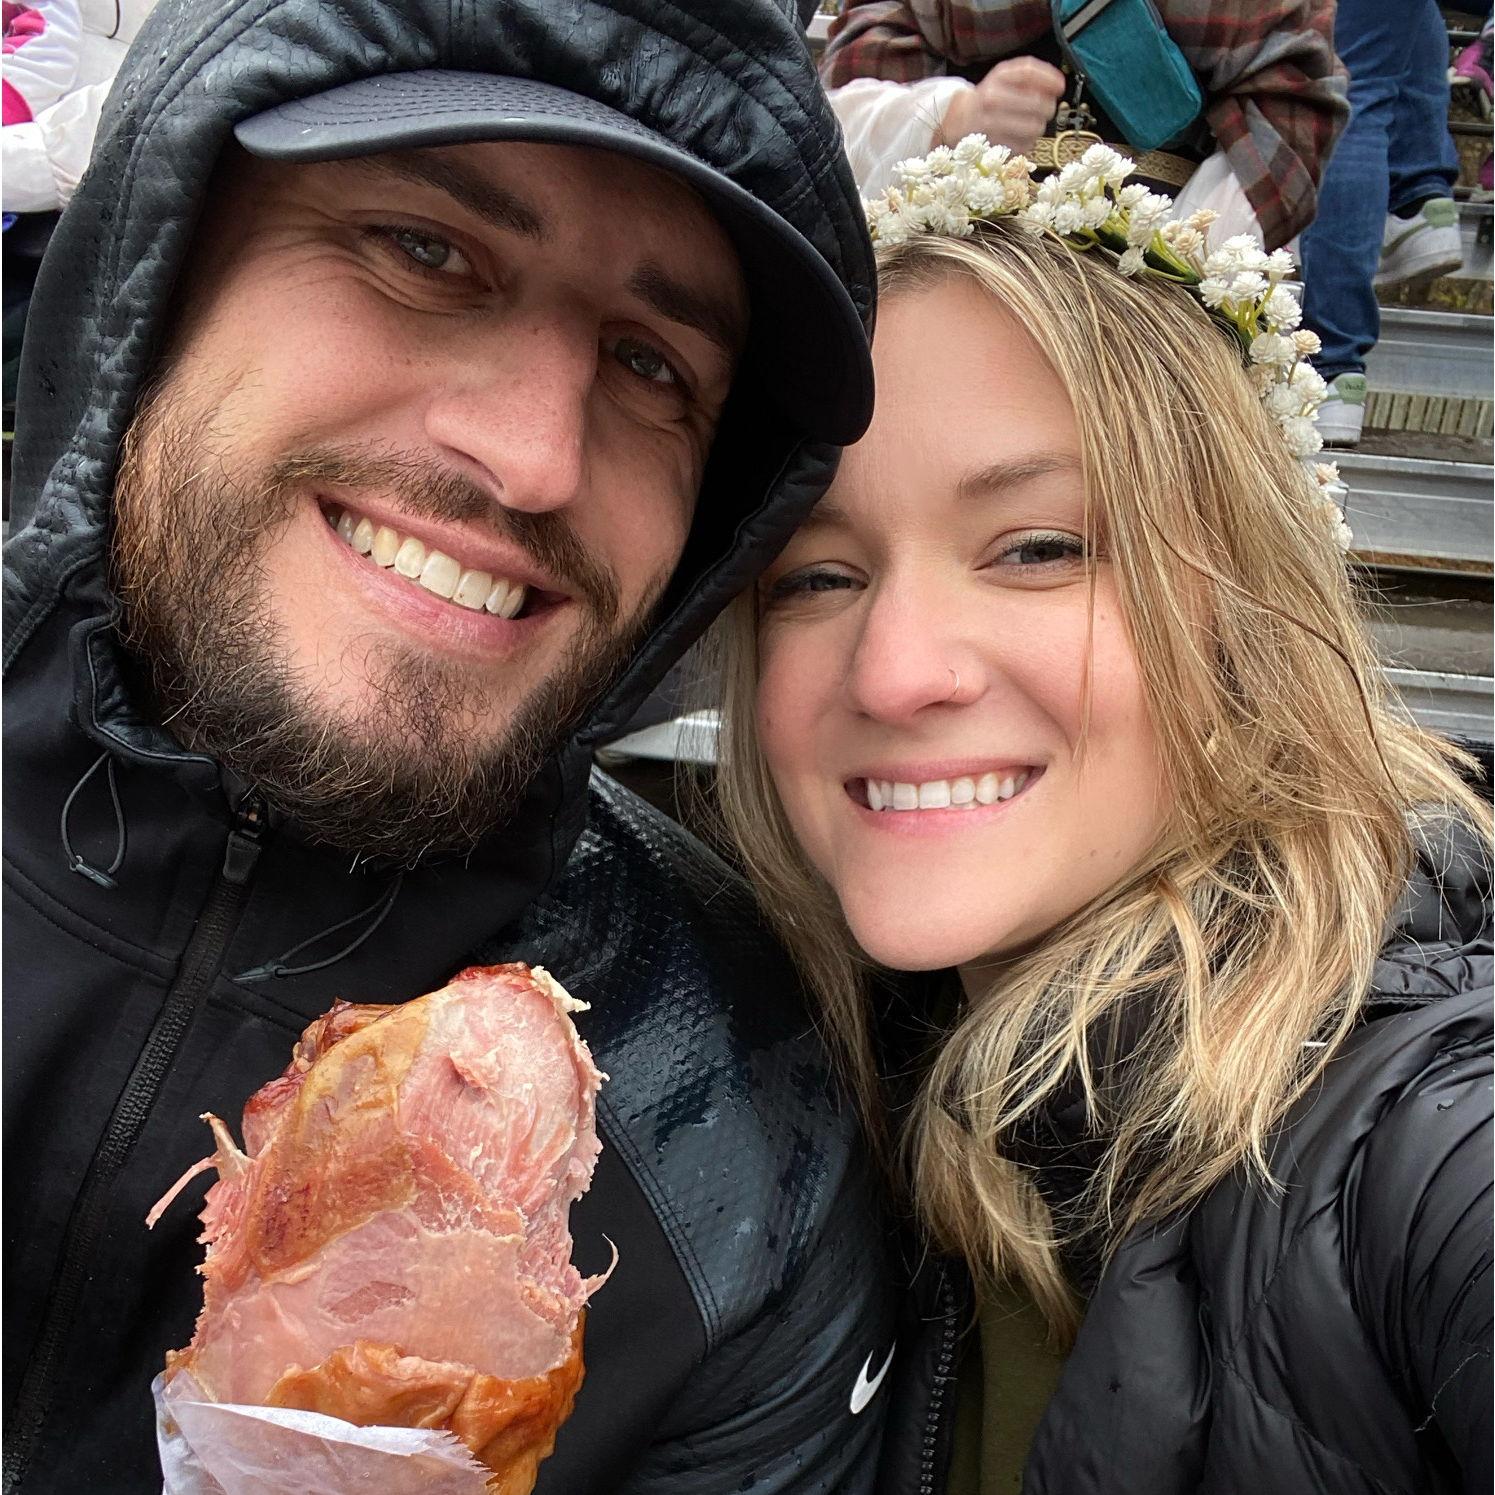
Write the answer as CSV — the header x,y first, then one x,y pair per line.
x,y
1333,1338
750,1289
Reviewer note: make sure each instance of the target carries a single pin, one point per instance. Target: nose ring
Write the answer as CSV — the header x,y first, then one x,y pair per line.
x,y
954,689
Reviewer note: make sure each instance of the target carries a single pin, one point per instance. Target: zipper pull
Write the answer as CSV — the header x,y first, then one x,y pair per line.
x,y
243,849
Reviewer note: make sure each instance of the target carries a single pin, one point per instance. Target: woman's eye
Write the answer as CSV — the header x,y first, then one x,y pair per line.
x,y
807,583
1043,550
646,361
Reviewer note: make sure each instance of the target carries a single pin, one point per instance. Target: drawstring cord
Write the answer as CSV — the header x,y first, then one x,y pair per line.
x,y
77,863
375,913
274,969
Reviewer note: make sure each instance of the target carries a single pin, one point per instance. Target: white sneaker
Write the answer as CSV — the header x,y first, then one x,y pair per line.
x,y
1342,415
1423,246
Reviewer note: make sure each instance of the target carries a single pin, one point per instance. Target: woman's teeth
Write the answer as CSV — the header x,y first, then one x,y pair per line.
x,y
408,557
945,794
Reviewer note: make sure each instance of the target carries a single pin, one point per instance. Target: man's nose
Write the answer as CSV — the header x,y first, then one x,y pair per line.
x,y
912,653
517,410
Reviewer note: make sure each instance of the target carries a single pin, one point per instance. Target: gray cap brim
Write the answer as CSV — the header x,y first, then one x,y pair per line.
x,y
807,348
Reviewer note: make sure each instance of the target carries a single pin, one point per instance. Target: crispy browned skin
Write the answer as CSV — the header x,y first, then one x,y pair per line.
x,y
509,1425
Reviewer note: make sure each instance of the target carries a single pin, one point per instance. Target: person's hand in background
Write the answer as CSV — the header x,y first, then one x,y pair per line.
x,y
1012,105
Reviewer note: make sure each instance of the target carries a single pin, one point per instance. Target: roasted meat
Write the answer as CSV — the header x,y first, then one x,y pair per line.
x,y
391,1246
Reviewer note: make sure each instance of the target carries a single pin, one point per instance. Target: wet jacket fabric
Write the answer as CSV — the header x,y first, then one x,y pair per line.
x,y
1333,1337
145,895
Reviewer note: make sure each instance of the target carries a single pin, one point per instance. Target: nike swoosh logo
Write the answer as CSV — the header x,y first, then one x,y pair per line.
x,y
865,1390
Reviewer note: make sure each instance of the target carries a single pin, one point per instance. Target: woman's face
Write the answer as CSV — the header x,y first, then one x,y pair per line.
x,y
925,646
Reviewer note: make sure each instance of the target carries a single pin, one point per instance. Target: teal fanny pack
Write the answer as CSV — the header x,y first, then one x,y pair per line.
x,y
1132,66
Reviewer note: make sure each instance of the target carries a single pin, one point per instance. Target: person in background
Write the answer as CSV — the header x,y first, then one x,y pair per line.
x,y
1472,70
60,60
1156,937
1274,93
1386,211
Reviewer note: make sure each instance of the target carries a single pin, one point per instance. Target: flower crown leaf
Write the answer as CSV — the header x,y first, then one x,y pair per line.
x,y
1090,204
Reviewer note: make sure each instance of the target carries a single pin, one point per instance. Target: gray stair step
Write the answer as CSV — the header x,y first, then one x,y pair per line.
x,y
1431,623
1432,353
1412,512
1456,705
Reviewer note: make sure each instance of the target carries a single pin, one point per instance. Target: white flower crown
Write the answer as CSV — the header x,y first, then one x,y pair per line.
x,y
1089,204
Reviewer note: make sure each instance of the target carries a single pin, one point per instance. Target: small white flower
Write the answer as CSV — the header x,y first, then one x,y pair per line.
x,y
1131,262
1213,291
1280,400
1050,192
1247,248
1131,194
891,229
1201,219
1185,242
1068,218
1147,214
1273,348
1096,211
1281,309
940,161
1105,165
986,197
1072,178
1308,383
995,157
1281,264
1302,435
970,149
1307,343
1331,485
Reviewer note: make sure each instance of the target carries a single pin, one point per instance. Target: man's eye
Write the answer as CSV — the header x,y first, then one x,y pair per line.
x,y
428,252
646,361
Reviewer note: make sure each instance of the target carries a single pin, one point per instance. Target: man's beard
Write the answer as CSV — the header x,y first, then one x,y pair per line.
x,y
400,777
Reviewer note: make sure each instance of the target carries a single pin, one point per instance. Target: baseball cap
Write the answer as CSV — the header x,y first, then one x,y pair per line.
x,y
807,348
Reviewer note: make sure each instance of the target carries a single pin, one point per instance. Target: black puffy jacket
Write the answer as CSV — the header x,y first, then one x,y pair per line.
x,y
750,1289
1333,1338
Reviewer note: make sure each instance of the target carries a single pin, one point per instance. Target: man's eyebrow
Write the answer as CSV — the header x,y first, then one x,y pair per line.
x,y
987,482
495,205
711,315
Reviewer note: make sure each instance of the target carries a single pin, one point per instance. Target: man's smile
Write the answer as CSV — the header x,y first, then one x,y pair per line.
x,y
434,593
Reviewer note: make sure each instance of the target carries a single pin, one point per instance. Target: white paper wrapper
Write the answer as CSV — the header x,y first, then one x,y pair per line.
x,y
211,1448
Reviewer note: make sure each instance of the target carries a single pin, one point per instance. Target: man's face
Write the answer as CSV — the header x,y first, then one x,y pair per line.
x,y
424,453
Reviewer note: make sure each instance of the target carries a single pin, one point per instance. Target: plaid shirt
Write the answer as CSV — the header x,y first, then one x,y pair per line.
x,y
1275,96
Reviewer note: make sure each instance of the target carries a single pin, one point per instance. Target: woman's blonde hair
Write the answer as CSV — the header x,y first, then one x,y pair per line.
x,y
1295,788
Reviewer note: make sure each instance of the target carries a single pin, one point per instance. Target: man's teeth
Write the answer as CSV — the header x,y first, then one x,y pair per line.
x,y
945,794
404,554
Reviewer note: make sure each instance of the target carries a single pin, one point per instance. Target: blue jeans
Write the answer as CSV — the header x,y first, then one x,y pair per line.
x,y
1395,150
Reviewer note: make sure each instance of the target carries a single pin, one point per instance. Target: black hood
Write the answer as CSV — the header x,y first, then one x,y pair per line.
x,y
732,83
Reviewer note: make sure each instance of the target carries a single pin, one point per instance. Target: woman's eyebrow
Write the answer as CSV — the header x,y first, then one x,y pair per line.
x,y
998,477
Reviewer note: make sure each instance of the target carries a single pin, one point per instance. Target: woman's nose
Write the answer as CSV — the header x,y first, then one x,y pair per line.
x,y
910,655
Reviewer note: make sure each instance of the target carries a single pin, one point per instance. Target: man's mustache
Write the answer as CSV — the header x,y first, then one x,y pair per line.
x,y
427,490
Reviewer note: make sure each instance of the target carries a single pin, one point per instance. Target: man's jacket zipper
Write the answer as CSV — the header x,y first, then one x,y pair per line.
x,y
201,962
